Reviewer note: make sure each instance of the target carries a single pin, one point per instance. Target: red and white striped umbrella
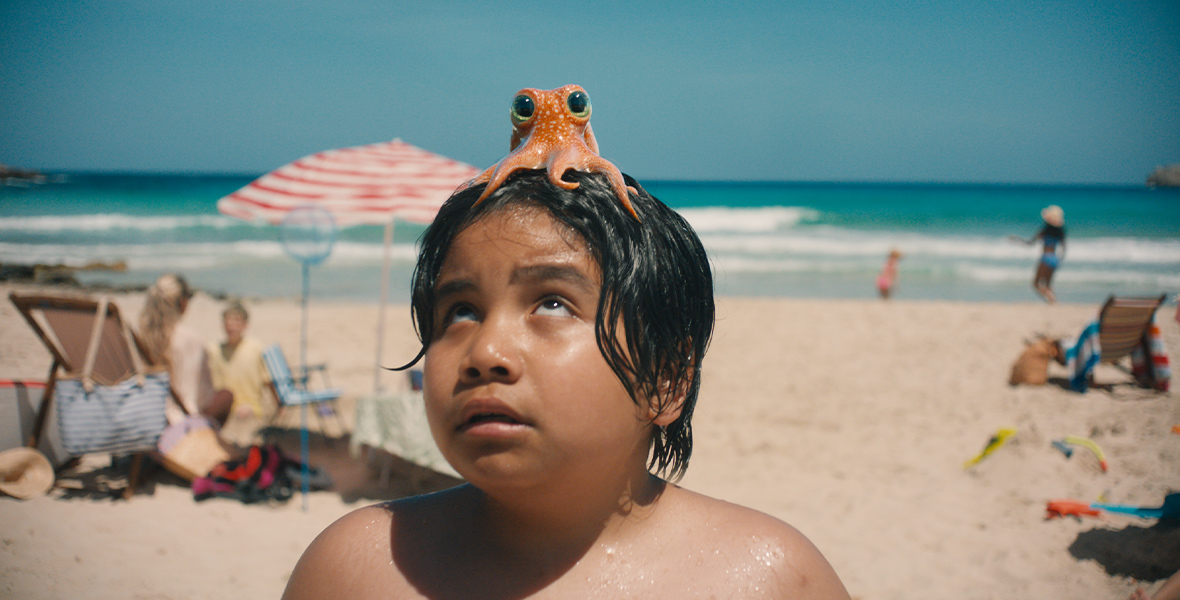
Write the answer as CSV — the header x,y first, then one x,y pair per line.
x,y
361,185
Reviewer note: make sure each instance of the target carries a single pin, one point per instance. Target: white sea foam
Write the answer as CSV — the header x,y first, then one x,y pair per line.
x,y
202,253
844,243
1117,250
358,253
1115,278
749,220
993,274
782,265
1163,281
750,246
112,222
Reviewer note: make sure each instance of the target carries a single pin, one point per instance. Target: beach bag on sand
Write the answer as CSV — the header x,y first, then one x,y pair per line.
x,y
122,418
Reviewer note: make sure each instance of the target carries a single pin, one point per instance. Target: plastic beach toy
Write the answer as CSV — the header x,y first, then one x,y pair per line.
x,y
1170,509
551,131
995,442
1069,508
1089,444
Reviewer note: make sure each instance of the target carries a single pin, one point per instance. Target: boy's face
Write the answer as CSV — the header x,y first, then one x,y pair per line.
x,y
517,392
235,326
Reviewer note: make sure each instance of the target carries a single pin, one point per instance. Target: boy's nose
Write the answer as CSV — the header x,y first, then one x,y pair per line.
x,y
493,354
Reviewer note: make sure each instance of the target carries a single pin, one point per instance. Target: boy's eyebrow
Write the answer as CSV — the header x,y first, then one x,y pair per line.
x,y
539,273
530,274
454,286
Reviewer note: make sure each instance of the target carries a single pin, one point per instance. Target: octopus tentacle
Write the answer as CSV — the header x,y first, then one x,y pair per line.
x,y
591,142
615,177
568,159
498,173
573,158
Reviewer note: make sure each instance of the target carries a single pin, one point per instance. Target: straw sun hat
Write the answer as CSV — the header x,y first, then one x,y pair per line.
x,y
25,473
1053,215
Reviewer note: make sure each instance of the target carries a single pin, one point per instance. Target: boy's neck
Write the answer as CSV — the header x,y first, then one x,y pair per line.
x,y
229,347
563,527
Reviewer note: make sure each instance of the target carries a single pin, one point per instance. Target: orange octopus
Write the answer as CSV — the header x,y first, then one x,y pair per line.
x,y
551,130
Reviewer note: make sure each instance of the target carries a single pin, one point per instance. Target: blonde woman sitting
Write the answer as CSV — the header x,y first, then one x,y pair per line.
x,y
171,344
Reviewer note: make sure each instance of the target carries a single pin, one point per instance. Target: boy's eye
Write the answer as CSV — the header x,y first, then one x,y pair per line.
x,y
461,312
553,307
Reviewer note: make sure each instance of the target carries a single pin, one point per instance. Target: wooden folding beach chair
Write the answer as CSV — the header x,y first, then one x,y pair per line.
x,y
1123,323
67,326
1124,328
294,391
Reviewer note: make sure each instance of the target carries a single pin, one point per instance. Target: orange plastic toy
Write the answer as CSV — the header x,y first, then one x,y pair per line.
x,y
1069,508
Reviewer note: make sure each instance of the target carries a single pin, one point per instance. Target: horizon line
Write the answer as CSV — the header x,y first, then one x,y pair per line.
x,y
741,182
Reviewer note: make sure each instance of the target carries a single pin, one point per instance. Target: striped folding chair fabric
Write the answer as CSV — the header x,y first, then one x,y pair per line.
x,y
294,391
1123,324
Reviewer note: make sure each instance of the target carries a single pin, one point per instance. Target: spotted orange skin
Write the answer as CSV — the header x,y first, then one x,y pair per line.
x,y
556,140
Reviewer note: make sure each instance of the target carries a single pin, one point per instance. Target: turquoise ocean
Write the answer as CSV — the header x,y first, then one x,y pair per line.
x,y
813,240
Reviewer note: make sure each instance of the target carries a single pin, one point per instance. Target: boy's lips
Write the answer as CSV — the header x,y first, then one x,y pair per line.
x,y
489,413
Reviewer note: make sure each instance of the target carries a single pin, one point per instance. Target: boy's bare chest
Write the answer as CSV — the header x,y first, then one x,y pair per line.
x,y
649,571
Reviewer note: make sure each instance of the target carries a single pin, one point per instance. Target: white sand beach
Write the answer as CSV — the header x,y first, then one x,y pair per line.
x,y
850,420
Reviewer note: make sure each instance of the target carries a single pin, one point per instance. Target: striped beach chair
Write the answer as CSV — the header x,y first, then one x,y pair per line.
x,y
1124,323
91,343
1125,328
294,391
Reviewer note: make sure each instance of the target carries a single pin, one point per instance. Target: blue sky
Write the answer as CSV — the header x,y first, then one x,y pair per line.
x,y
996,91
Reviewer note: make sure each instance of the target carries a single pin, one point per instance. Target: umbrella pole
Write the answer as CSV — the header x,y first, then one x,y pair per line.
x,y
385,267
303,442
303,325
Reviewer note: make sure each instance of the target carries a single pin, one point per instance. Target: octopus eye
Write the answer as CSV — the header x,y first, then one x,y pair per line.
x,y
579,104
522,108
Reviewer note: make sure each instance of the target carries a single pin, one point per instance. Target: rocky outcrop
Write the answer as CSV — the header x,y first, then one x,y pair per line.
x,y
15,176
1168,176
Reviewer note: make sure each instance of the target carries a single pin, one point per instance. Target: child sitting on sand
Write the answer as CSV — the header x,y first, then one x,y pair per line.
x,y
563,341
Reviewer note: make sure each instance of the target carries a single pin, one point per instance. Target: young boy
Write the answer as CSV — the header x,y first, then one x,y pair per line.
x,y
236,365
563,341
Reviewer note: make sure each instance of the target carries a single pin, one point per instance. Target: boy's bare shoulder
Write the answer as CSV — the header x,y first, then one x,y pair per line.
x,y
355,557
704,546
762,548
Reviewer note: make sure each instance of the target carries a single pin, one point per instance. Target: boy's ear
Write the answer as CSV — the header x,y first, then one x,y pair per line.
x,y
665,408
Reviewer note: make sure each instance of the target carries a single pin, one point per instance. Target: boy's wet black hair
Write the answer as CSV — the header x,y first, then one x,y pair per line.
x,y
656,283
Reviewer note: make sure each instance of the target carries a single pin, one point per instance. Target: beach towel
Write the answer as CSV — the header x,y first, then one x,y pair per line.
x,y
1149,360
396,423
1082,356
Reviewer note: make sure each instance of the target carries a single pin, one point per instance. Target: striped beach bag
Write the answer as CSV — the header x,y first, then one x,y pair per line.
x,y
122,418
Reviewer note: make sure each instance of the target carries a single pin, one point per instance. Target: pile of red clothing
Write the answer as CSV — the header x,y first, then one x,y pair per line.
x,y
264,475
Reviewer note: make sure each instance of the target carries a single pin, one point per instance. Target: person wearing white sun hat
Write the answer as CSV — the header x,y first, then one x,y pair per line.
x,y
1052,237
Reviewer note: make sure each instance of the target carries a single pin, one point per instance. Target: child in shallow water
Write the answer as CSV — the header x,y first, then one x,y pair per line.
x,y
563,341
887,280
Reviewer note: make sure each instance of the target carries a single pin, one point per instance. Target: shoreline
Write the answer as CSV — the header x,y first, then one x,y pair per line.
x,y
849,419
93,279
